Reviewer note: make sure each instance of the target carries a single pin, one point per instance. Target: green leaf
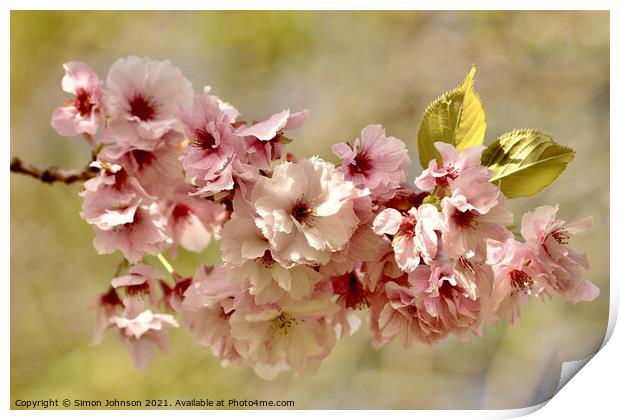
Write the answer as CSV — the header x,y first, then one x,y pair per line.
x,y
434,200
456,117
525,162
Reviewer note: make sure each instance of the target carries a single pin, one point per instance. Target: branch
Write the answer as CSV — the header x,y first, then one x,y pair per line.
x,y
52,174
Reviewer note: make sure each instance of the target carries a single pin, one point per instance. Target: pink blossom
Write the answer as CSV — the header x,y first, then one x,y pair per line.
x,y
294,334
364,244
141,279
248,257
474,277
173,296
349,289
192,221
466,230
265,141
142,97
111,198
381,271
474,185
548,237
213,147
306,211
143,233
518,276
206,310
351,297
414,234
375,161
107,305
452,165
444,307
377,299
159,171
84,113
142,333
398,318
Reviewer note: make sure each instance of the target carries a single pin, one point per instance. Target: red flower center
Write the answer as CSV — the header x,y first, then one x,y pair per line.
x,y
407,226
142,108
138,289
82,102
267,259
143,158
301,211
452,174
110,298
350,289
181,211
203,139
464,219
448,291
363,163
561,237
520,280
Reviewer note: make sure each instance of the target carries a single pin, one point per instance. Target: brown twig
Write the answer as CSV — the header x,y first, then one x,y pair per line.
x,y
52,174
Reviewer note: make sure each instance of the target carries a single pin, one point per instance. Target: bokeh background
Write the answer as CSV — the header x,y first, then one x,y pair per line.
x,y
545,70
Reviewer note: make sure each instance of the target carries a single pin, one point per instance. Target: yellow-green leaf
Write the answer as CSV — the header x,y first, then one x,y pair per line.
x,y
456,117
525,162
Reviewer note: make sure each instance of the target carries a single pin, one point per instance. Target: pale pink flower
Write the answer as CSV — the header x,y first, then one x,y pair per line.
x,y
351,297
306,211
242,241
519,275
452,165
376,300
349,289
84,113
248,257
474,277
111,198
444,307
107,305
474,185
173,296
364,244
213,147
140,279
293,334
414,234
374,161
206,308
405,197
142,97
265,141
383,270
398,318
192,221
548,237
143,233
159,171
466,230
142,333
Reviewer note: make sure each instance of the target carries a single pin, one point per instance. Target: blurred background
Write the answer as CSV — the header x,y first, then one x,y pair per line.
x,y
544,70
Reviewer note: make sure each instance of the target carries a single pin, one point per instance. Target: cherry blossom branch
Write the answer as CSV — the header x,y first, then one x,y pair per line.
x,y
52,174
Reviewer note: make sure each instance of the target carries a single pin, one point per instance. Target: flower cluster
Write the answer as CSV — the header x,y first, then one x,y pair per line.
x,y
305,244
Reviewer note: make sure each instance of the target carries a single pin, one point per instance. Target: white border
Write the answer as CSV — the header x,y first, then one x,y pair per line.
x,y
593,394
